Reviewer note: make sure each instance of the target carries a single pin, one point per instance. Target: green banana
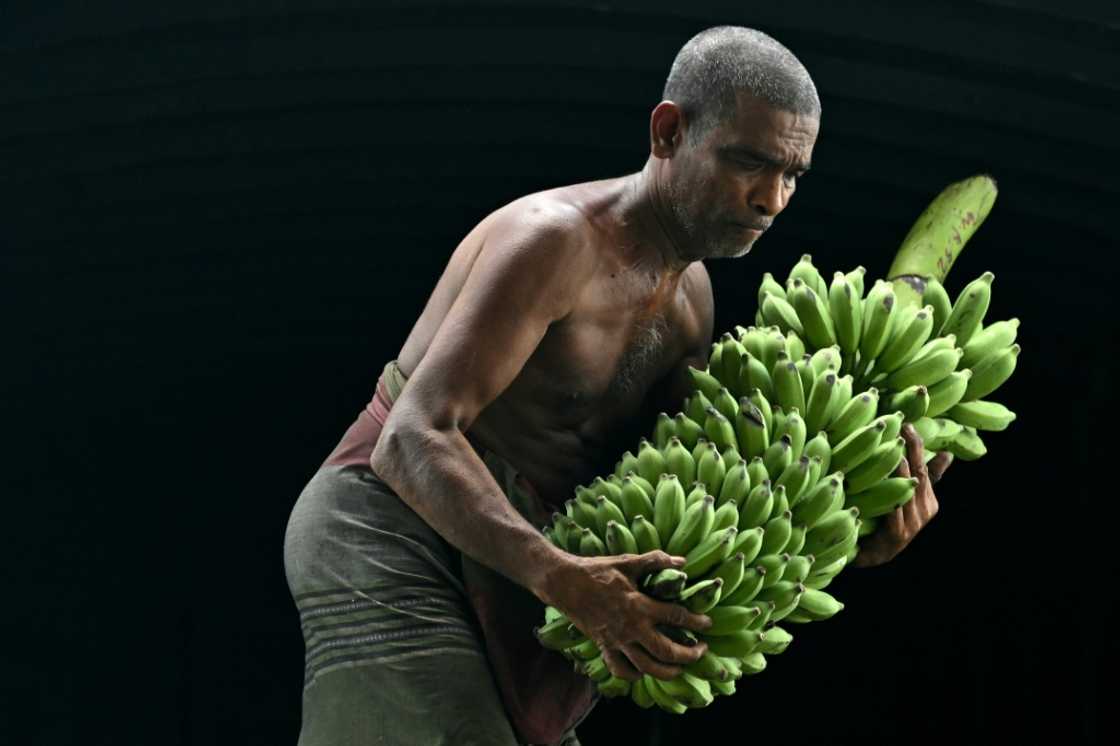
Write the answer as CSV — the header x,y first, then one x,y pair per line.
x,y
709,667
679,461
651,463
846,308
694,526
982,415
748,542
858,412
795,479
967,445
788,387
726,515
710,469
662,698
752,664
666,584
635,501
581,512
828,531
777,533
645,535
719,429
991,372
700,597
559,634
857,447
777,640
731,570
769,285
796,539
608,489
808,274
736,645
795,346
668,505
687,429
798,567
935,296
883,497
988,340
736,485
750,429
725,403
819,604
748,587
754,374
944,227
758,506
878,466
710,552
605,512
628,463
794,427
620,540
913,402
815,317
696,406
778,312
892,426
944,394
818,502
969,309
778,455
822,399
925,369
878,317
756,469
730,619
639,694
730,361
807,375
614,687
590,545
773,567
912,330
663,429
819,447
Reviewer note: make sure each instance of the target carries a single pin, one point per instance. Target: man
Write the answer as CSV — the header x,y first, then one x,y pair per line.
x,y
563,322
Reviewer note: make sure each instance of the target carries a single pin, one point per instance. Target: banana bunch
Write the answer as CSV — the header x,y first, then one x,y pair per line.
x,y
750,484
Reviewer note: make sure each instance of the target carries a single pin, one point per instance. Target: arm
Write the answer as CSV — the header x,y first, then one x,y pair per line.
x,y
524,279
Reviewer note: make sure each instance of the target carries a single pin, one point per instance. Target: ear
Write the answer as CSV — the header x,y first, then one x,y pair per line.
x,y
666,129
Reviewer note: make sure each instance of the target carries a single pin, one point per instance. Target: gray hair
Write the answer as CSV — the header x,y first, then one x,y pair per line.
x,y
717,63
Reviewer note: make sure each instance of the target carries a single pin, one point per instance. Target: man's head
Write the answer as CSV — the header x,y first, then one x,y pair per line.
x,y
734,131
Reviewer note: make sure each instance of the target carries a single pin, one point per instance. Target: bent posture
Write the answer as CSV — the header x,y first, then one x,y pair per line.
x,y
563,322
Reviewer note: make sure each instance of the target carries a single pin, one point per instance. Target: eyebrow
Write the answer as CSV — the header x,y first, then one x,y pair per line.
x,y
763,157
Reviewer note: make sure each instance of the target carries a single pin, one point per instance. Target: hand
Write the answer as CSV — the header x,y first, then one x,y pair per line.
x,y
602,598
899,527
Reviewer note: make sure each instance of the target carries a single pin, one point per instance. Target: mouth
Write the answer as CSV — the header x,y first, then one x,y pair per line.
x,y
755,230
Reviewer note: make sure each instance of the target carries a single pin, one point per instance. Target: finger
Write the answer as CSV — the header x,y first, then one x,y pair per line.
x,y
620,665
672,653
938,464
915,452
638,565
645,663
903,469
675,615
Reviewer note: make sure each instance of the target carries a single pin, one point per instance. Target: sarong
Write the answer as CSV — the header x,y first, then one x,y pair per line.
x,y
407,641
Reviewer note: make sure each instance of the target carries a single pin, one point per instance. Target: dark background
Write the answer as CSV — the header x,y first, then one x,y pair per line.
x,y
219,219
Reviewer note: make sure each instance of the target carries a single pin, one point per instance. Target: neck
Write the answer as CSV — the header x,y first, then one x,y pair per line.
x,y
655,230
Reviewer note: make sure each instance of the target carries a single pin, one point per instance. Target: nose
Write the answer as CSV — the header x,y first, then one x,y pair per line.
x,y
769,196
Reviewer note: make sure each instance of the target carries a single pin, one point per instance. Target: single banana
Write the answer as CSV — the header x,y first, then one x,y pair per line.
x,y
591,545
788,387
736,645
748,587
878,466
614,687
679,461
815,317
730,619
696,407
794,427
769,285
818,501
858,412
982,415
752,664
608,489
758,506
776,642
892,426
662,698
687,429
777,532
912,402
666,584
773,567
581,512
796,538
822,398
719,429
781,502
821,576
924,369
651,463
805,371
726,515
639,694
710,667
605,512
585,651
620,540
969,309
629,462
759,400
835,527
559,634
991,373
798,567
668,505
645,535
967,445
795,346
700,597
818,447
819,604
750,429
731,359
795,478
710,469
778,312
753,374
778,455
878,317
857,447
773,344
868,526
846,308
748,542
883,496
935,296
731,570
694,526
756,468
736,485
725,403
808,274
663,429
988,340
912,330
944,394
710,552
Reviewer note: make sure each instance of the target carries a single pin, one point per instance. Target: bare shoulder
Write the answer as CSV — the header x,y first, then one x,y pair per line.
x,y
699,321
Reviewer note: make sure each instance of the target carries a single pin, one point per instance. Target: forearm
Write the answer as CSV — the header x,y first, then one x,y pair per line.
x,y
440,476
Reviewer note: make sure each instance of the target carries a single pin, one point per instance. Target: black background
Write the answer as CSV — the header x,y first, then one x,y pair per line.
x,y
219,219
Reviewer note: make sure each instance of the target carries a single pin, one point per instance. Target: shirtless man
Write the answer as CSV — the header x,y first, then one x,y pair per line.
x,y
563,322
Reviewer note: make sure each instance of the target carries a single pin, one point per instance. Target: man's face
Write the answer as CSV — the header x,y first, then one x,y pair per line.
x,y
728,187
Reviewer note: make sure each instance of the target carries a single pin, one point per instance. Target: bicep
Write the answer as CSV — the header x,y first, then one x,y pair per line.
x,y
517,287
